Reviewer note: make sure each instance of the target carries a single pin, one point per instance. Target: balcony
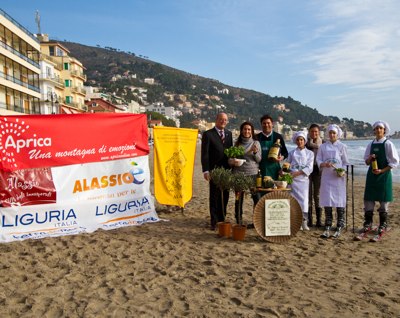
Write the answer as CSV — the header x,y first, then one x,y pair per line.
x,y
72,104
45,57
78,90
19,54
55,79
4,14
19,109
19,82
79,74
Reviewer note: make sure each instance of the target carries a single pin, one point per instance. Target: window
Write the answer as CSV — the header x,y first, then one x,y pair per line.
x,y
68,99
59,52
68,83
66,66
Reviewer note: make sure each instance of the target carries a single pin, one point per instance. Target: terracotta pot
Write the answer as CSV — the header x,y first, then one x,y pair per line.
x,y
224,229
239,232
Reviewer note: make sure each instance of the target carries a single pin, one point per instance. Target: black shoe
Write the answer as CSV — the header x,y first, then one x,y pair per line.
x,y
382,228
326,233
339,230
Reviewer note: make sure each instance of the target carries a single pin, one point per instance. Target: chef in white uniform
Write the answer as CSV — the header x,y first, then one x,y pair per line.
x,y
331,155
301,165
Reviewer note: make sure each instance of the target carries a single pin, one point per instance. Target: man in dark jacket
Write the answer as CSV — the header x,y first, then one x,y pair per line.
x,y
213,144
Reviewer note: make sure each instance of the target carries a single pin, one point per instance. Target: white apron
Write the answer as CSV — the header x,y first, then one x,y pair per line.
x,y
301,160
333,188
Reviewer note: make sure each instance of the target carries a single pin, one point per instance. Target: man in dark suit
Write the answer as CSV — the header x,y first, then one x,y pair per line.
x,y
213,144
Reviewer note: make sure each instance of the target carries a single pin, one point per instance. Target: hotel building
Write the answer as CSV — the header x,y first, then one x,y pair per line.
x,y
63,78
19,68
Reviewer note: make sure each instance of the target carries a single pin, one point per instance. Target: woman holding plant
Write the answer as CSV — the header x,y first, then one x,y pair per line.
x,y
252,154
301,162
332,160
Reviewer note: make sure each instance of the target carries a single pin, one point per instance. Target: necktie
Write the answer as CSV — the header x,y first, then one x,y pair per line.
x,y
221,134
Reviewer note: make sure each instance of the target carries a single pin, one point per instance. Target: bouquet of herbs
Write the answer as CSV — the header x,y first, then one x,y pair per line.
x,y
234,152
286,177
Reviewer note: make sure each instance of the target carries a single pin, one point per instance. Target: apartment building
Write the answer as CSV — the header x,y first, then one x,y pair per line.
x,y
51,86
72,96
19,68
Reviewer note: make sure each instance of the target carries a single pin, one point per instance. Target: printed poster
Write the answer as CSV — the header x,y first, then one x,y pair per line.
x,y
174,155
277,217
84,198
41,141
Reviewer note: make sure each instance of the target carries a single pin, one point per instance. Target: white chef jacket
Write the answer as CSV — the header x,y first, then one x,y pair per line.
x,y
333,188
301,160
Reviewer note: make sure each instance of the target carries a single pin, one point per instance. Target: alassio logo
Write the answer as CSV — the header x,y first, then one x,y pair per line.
x,y
113,180
11,142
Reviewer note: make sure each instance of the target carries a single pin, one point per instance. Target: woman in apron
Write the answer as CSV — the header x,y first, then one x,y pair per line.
x,y
301,165
331,156
378,186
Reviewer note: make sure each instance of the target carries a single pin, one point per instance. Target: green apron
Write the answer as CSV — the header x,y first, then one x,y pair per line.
x,y
268,168
379,187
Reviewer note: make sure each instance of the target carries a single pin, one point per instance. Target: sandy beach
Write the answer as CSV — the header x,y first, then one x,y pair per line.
x,y
179,268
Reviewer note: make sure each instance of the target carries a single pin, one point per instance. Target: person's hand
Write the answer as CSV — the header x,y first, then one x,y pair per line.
x,y
370,158
296,173
254,148
377,171
206,176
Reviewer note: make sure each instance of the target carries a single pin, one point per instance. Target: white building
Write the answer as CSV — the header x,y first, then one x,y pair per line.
x,y
167,111
20,70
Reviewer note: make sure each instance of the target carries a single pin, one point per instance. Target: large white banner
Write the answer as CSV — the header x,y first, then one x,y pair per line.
x,y
86,197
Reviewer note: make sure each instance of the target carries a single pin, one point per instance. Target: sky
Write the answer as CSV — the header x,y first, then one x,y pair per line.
x,y
339,57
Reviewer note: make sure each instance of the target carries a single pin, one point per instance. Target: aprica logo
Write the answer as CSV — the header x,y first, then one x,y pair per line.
x,y
10,143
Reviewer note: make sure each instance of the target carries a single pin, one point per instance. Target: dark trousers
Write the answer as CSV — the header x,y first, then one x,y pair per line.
x,y
216,207
239,205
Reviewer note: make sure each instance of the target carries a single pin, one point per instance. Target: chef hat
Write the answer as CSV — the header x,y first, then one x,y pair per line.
x,y
336,128
299,134
383,124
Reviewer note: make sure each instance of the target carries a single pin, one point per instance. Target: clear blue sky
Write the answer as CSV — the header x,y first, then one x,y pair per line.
x,y
340,57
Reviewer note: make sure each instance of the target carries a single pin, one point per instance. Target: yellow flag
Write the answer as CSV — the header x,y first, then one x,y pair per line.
x,y
174,154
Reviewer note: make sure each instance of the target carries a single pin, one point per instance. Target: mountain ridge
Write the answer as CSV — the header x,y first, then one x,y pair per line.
x,y
240,103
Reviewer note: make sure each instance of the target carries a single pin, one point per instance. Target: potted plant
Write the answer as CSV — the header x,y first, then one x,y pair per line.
x,y
285,179
222,179
235,153
239,184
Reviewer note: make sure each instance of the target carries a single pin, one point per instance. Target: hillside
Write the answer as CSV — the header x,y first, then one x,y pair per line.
x,y
206,96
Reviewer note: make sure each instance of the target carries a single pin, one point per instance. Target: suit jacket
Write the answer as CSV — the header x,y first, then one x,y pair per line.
x,y
212,149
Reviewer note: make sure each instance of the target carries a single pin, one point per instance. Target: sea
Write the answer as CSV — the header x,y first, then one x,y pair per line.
x,y
355,152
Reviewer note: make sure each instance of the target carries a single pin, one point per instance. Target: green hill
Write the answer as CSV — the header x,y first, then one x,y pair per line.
x,y
102,64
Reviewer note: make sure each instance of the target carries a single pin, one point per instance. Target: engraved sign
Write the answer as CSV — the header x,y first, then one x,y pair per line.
x,y
277,217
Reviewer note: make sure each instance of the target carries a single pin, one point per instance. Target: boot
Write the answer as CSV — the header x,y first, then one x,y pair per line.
x,y
382,222
310,222
328,222
318,212
368,217
304,226
326,233
340,222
